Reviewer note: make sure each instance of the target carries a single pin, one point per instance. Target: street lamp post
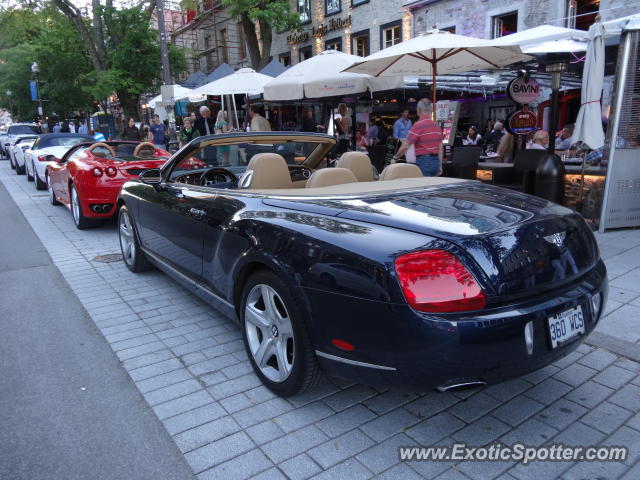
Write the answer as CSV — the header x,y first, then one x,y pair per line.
x,y
166,73
9,93
35,68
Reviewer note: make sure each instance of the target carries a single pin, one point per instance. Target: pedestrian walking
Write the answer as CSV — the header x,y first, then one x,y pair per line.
x,y
131,132
402,126
426,137
158,132
341,123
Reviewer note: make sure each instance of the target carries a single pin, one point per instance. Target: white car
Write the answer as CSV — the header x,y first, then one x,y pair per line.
x,y
3,138
45,149
18,130
16,152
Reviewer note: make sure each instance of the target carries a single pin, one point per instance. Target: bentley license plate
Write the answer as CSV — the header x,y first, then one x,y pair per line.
x,y
566,325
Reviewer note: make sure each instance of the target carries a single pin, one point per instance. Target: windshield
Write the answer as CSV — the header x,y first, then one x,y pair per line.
x,y
61,141
22,129
26,141
236,157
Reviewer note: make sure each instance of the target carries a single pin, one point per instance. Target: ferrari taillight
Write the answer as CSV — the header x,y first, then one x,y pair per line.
x,y
43,158
96,171
110,171
436,281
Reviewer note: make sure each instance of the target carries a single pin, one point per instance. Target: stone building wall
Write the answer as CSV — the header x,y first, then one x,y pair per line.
x,y
369,15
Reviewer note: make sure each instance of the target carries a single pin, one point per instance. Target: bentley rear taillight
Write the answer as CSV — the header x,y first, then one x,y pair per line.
x,y
436,281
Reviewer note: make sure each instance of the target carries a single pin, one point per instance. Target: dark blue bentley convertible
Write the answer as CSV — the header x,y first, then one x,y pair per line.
x,y
391,278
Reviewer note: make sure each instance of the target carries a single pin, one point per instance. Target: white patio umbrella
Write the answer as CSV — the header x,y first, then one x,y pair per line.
x,y
179,92
547,39
320,76
438,52
245,81
588,128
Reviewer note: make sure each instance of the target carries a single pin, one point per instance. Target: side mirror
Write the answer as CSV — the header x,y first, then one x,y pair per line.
x,y
153,176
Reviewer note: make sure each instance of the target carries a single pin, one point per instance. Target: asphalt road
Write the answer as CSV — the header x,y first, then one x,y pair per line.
x,y
67,408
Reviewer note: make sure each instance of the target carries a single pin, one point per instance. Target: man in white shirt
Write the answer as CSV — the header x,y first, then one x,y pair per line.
x,y
564,141
540,140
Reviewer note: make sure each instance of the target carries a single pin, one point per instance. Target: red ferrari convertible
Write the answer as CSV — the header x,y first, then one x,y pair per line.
x,y
87,179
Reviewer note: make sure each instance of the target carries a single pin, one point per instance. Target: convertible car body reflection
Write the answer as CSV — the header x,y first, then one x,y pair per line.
x,y
393,279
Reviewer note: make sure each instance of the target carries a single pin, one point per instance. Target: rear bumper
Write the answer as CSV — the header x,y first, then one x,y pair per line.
x,y
405,348
99,196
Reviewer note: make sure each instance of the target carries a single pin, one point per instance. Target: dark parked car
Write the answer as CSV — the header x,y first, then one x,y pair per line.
x,y
405,280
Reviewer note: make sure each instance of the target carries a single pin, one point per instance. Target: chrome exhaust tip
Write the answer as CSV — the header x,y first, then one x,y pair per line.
x,y
461,384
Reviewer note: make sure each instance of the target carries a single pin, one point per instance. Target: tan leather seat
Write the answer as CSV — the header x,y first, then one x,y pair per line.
x,y
401,170
266,171
359,164
331,176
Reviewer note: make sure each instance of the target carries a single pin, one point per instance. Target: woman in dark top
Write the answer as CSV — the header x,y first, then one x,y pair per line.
x,y
131,132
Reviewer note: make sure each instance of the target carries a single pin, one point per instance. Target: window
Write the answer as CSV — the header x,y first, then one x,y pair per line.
x,y
582,13
305,53
242,52
451,29
361,43
285,59
332,7
224,54
333,44
207,52
390,34
504,25
304,8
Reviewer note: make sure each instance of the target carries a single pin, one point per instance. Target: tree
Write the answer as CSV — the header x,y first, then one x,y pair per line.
x,y
270,16
122,48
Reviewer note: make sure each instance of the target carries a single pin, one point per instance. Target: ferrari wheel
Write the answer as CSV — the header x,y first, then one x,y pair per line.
x,y
13,165
29,176
40,185
20,169
276,337
52,195
133,256
79,219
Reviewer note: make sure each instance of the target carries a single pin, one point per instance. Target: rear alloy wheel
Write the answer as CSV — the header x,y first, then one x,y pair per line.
x,y
133,256
29,176
79,219
276,337
20,169
52,195
13,165
40,185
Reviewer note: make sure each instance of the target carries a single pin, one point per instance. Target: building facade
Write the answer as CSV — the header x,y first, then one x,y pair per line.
x,y
358,27
497,18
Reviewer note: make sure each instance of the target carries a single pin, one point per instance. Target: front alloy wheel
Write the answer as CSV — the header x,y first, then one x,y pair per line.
x,y
276,337
132,255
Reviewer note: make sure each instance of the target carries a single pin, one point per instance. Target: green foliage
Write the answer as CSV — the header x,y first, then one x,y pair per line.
x,y
276,13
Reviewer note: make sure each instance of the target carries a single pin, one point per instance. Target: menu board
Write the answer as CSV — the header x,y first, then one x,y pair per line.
x,y
447,116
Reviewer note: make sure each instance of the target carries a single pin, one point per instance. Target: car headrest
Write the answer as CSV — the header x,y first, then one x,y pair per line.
x,y
266,171
359,164
400,170
331,176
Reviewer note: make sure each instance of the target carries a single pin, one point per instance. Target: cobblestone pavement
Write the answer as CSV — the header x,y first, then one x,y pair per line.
x,y
188,362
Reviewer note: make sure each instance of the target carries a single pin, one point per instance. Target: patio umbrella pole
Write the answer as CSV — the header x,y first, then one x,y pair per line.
x,y
434,69
235,109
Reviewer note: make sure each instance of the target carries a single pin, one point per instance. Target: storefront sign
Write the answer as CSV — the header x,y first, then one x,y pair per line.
x,y
319,31
522,122
523,90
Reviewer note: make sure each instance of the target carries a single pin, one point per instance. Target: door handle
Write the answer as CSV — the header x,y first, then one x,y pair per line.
x,y
197,213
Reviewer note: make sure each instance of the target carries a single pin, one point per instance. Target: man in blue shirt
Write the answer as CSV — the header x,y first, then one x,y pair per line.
x,y
158,131
402,126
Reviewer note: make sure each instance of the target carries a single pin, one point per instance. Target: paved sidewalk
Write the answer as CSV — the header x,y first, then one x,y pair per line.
x,y
67,409
188,362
